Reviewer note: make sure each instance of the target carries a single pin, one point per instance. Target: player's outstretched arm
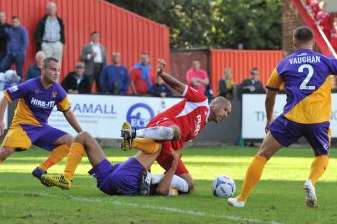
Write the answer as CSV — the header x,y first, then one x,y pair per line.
x,y
269,104
3,106
72,120
165,183
174,83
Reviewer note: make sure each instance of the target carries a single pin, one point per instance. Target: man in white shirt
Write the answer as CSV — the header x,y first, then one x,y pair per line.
x,y
49,35
94,56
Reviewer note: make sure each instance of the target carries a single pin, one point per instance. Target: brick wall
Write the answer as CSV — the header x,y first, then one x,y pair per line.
x,y
290,20
181,61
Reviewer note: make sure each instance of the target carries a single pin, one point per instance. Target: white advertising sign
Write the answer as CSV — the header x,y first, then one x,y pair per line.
x,y
6,112
103,116
254,115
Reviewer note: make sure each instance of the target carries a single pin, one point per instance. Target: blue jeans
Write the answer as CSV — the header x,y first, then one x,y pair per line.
x,y
17,58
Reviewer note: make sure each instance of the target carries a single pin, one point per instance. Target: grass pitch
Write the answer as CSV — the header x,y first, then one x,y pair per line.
x,y
278,198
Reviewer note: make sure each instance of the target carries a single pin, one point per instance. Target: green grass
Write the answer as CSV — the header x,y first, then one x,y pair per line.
x,y
278,198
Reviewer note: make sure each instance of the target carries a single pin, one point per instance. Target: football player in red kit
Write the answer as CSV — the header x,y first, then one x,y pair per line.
x,y
176,125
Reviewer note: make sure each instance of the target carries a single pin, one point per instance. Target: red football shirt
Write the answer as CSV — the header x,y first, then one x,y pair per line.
x,y
190,115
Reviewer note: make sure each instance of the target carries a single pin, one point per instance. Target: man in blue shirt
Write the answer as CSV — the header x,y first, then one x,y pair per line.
x,y
115,77
16,47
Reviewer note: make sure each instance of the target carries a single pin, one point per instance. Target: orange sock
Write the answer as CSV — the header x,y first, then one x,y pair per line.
x,y
74,158
318,167
146,145
55,156
253,175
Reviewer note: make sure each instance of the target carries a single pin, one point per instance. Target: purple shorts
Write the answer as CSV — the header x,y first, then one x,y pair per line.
x,y
119,179
287,132
43,136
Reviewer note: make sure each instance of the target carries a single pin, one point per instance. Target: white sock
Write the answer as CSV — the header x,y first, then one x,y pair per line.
x,y
156,133
179,183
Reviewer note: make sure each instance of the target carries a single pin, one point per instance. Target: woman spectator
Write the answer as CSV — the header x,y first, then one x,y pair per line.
x,y
226,84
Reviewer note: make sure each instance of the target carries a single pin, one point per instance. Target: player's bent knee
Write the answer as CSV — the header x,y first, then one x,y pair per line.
x,y
68,140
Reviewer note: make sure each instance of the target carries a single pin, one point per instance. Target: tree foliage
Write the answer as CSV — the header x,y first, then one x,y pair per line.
x,y
253,24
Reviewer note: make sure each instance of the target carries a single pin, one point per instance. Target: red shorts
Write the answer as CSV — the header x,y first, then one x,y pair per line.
x,y
165,158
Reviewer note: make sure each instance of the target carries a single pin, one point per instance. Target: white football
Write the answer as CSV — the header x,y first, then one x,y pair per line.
x,y
223,186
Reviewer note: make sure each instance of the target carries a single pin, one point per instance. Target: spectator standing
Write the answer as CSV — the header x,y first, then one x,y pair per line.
x,y
16,47
160,89
34,70
253,84
76,81
49,35
115,77
197,77
3,35
94,56
141,79
226,85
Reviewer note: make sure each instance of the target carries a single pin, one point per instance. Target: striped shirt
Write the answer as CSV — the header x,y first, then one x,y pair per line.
x,y
52,32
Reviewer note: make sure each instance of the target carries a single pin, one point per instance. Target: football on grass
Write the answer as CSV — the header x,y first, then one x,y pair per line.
x,y
223,186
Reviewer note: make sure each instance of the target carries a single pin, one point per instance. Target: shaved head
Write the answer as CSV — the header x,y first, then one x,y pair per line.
x,y
221,100
220,108
51,8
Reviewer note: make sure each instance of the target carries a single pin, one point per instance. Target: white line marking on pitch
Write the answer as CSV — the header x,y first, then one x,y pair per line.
x,y
162,208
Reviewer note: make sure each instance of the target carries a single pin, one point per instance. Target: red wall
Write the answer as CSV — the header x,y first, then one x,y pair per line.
x,y
181,61
121,30
241,61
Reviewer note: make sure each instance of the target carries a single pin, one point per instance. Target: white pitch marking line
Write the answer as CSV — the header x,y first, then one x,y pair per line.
x,y
120,203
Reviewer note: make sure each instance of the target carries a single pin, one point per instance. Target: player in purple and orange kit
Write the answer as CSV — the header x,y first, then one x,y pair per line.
x,y
305,75
127,178
36,100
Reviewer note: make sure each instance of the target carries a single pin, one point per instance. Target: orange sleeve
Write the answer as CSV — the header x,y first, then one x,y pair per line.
x,y
64,105
275,81
7,96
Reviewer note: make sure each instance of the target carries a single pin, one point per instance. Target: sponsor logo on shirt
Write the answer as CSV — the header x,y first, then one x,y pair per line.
x,y
42,104
197,125
13,89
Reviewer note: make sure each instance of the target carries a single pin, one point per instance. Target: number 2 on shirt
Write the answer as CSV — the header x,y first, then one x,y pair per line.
x,y
304,85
